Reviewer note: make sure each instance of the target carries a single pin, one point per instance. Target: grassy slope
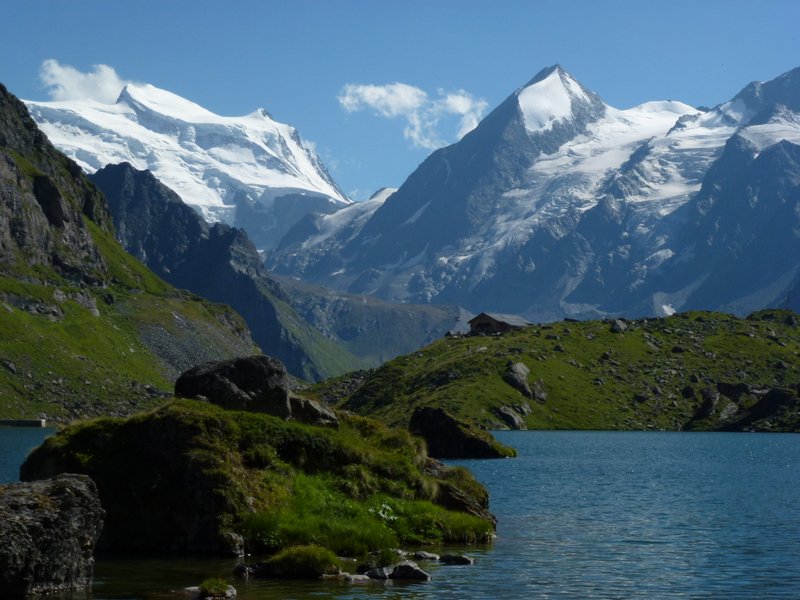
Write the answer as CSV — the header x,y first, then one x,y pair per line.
x,y
587,390
327,356
85,329
78,364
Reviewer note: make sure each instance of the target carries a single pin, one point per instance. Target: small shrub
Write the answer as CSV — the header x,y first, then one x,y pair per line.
x,y
303,562
213,588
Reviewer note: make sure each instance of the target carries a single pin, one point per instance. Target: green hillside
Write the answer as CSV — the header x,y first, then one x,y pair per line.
x,y
695,370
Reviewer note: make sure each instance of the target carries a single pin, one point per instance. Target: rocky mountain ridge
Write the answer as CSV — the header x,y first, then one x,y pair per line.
x,y
558,204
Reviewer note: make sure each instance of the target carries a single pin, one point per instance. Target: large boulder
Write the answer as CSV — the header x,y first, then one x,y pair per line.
x,y
252,383
312,412
448,437
510,417
48,531
516,376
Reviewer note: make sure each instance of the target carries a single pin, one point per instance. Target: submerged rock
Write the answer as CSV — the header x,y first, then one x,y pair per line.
x,y
456,559
48,530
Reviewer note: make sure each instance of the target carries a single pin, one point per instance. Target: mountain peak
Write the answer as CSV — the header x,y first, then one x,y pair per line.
x,y
545,73
553,95
149,97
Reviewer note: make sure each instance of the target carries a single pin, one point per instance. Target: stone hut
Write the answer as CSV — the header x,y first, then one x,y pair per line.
x,y
492,323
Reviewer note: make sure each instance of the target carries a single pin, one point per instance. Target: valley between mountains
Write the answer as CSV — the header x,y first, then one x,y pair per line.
x,y
556,206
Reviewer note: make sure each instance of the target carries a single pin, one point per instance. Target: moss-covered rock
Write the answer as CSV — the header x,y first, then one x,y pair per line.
x,y
299,562
191,477
448,437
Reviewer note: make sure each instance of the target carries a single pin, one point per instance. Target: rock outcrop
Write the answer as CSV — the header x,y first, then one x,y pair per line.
x,y
48,531
448,437
312,412
517,377
511,418
253,383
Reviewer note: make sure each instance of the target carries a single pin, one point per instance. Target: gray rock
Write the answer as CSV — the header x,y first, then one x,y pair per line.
x,y
524,409
312,412
379,573
48,530
618,326
423,555
539,391
253,383
355,578
197,592
511,418
517,377
409,570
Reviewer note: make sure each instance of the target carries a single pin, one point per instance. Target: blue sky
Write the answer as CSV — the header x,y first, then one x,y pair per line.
x,y
455,60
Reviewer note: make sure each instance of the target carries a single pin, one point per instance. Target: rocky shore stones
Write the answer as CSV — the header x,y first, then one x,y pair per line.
x,y
406,570
48,530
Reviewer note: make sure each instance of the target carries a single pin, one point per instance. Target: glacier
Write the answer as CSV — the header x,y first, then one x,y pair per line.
x,y
250,170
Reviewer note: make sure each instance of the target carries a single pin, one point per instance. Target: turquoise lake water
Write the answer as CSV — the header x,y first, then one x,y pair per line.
x,y
580,515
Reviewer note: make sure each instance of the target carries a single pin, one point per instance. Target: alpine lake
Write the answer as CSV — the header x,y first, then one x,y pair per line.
x,y
580,515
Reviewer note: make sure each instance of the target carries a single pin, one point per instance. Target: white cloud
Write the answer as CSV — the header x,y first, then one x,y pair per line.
x,y
392,100
422,114
463,104
64,82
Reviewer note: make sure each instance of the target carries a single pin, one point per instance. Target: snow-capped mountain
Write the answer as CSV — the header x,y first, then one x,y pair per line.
x,y
248,171
558,204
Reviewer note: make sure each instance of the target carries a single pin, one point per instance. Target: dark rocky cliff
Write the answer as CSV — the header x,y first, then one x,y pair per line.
x,y
218,262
